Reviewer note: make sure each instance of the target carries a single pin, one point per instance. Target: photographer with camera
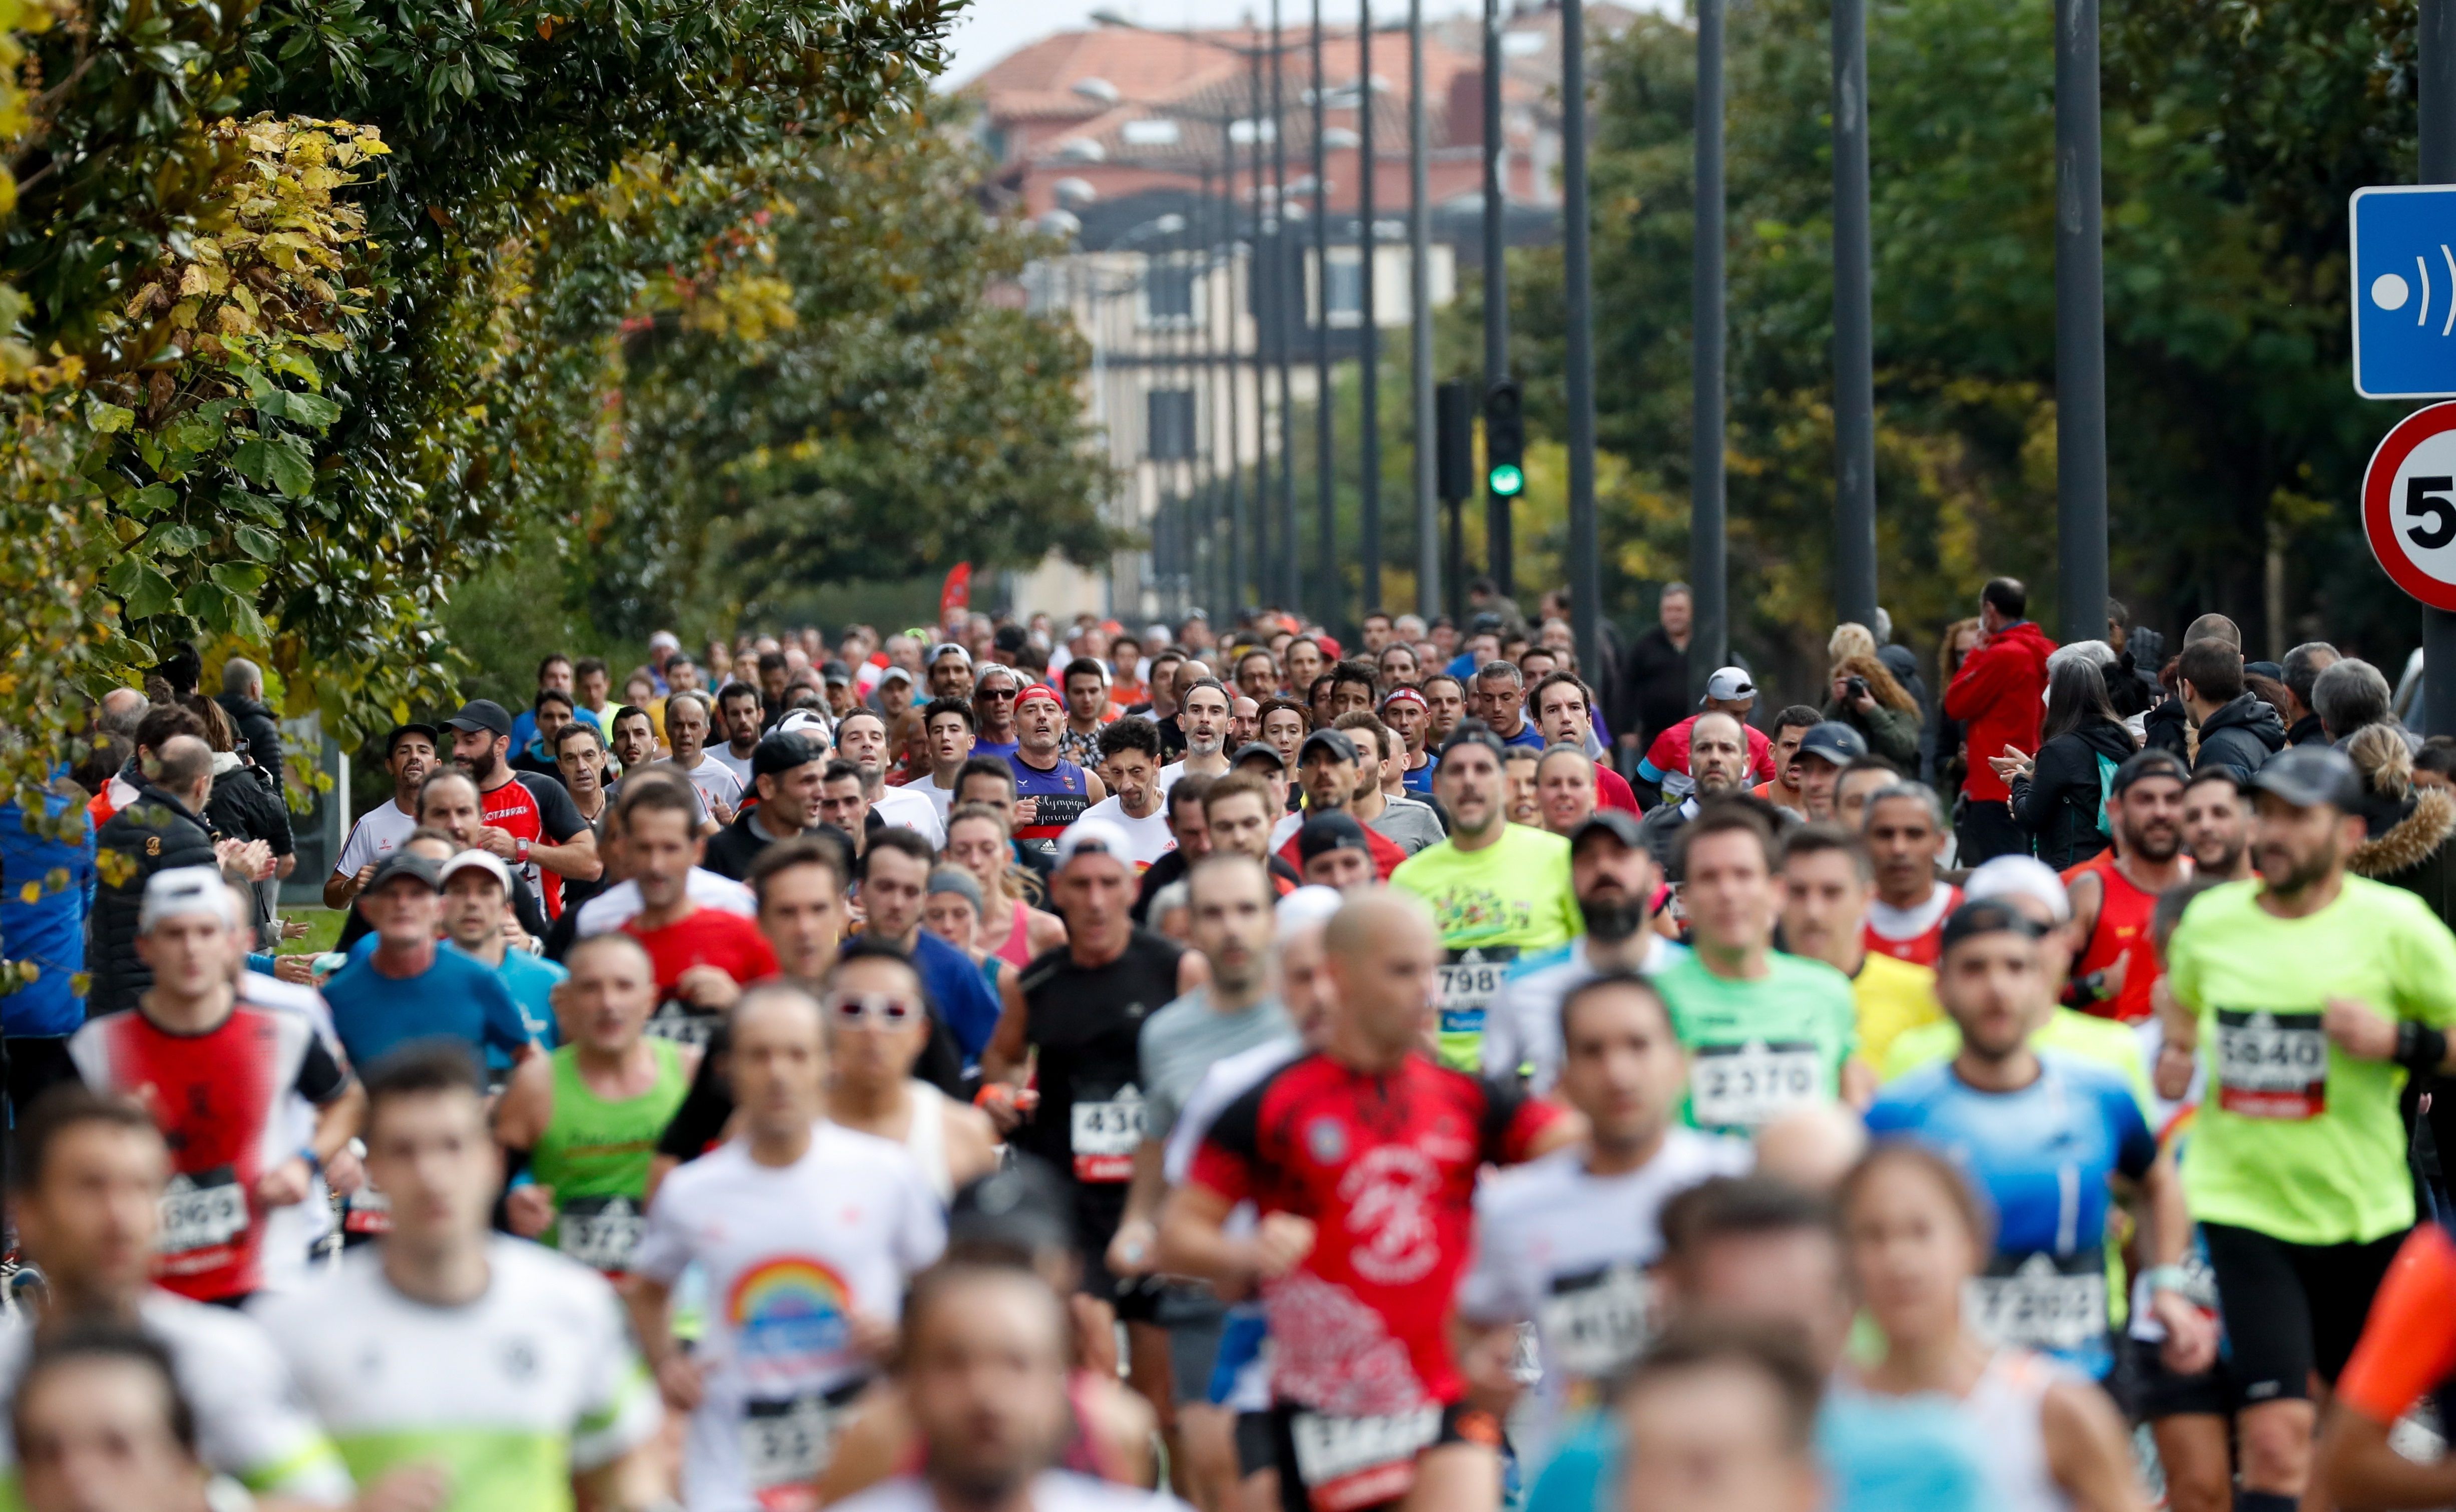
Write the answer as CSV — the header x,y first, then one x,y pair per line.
x,y
1867,698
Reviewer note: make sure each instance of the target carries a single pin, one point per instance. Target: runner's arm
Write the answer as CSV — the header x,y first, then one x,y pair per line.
x,y
568,846
1143,1195
1193,1242
2089,1454
635,1483
337,1121
1003,1057
520,1114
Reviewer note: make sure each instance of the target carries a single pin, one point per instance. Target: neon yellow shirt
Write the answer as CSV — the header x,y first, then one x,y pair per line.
x,y
1492,906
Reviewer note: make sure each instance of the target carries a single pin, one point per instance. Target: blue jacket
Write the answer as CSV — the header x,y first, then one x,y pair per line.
x,y
49,932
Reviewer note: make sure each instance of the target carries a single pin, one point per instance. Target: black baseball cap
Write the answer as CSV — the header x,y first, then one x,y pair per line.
x,y
1835,742
434,736
1475,732
2308,776
407,864
1333,740
834,672
782,752
1986,916
1331,831
1254,747
2142,764
1619,824
481,714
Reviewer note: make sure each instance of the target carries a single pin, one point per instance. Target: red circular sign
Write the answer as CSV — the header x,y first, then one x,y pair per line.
x,y
2410,506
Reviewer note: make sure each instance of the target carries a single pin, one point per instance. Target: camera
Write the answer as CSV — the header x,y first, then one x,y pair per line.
x,y
1859,686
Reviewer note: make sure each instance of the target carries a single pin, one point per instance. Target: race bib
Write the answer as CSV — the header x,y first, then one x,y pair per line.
x,y
370,1212
1105,1135
1747,1085
1470,979
682,1024
600,1233
2272,1065
1350,1462
2042,1302
786,1444
1594,1323
205,1210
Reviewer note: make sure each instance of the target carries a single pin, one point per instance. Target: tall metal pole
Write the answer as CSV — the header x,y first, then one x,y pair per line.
x,y
2080,329
1327,587
1206,425
1586,558
1258,296
1290,586
1496,283
1709,638
1227,369
1419,310
1855,342
1368,357
2438,111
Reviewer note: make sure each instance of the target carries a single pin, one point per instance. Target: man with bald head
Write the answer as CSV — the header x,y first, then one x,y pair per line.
x,y
1354,1154
1718,760
163,828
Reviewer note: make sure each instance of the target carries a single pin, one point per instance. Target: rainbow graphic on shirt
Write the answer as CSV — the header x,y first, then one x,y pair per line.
x,y
792,1316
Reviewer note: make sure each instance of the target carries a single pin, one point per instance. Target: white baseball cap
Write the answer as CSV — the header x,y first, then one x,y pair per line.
x,y
176,891
1098,836
2020,877
1729,683
475,859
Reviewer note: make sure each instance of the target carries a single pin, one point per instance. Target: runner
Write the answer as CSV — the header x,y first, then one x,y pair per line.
x,y
788,772
1564,711
580,755
894,878
1860,779
1615,880
2050,1439
1085,684
477,917
687,723
2042,1138
2316,992
993,712
1718,767
862,737
409,755
1381,801
1825,752
1732,692
843,805
2216,826
1790,727
2114,892
88,1199
448,802
411,984
1906,835
467,1366
1768,1033
1565,1243
1729,1406
1498,891
1128,754
1331,770
946,726
745,713
878,1024
1827,883
2407,1355
1238,813
579,1127
806,1232
703,956
979,839
1406,712
1365,1229
950,670
1204,718
1444,709
530,822
1051,791
1564,787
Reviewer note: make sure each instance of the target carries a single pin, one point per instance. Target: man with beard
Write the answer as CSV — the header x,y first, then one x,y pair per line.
x,y
1718,763
861,737
1203,714
787,770
1615,878
530,822
2217,827
1330,767
2115,891
409,755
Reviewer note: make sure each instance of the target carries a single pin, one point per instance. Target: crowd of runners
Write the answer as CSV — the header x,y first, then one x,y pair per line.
x,y
1028,1066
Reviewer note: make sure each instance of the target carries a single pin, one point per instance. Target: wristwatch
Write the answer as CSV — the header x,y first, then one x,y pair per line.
x,y
521,851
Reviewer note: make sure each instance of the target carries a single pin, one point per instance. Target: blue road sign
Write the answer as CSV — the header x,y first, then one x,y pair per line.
x,y
2405,290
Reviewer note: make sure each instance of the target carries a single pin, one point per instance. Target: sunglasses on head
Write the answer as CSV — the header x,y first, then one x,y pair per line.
x,y
892,1012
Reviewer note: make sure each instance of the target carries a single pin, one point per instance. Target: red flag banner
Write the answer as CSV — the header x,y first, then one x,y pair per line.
x,y
956,597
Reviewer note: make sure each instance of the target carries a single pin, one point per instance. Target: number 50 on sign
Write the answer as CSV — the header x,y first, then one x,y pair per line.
x,y
2410,506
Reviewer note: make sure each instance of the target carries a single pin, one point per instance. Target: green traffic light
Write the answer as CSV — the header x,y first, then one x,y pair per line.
x,y
1508,479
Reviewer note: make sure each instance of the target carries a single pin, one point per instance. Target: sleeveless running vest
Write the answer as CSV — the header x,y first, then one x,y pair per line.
x,y
2122,932
1064,794
595,1155
1087,1023
925,1137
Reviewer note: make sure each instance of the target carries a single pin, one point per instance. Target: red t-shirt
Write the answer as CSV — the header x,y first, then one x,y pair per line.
x,y
1669,753
702,937
518,810
1385,1167
222,1101
1387,854
1613,790
2123,933
1915,935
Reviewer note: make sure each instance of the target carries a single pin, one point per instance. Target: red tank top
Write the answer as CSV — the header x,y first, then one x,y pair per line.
x,y
2122,932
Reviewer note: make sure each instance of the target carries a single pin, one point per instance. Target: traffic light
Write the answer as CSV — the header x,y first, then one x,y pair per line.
x,y
1505,439
1454,439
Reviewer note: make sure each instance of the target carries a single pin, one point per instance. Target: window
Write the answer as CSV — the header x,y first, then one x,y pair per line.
x,y
1168,426
1151,132
1343,290
1168,291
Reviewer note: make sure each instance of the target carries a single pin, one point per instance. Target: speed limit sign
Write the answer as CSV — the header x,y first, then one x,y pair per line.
x,y
2410,506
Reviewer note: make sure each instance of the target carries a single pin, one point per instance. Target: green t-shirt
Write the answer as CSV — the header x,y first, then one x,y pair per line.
x,y
2296,1139
1509,900
1761,1046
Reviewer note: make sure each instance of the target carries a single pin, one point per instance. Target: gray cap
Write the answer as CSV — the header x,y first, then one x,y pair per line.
x,y
1254,747
2308,776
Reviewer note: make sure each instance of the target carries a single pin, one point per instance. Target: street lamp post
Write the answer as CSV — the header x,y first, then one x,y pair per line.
x,y
1420,311
1369,359
1586,564
1854,376
1710,637
1289,587
1326,547
2437,109
1496,286
2080,328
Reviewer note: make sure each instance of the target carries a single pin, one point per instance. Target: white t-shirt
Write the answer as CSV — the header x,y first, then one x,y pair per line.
x,y
739,766
941,799
517,1390
790,1254
1150,837
249,1423
1170,774
1053,1491
716,782
620,903
906,810
378,832
1522,1030
1569,1250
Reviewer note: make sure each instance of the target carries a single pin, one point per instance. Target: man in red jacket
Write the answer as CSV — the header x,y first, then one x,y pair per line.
x,y
1999,695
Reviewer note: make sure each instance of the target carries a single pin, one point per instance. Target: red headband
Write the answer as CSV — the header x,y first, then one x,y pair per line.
x,y
1037,691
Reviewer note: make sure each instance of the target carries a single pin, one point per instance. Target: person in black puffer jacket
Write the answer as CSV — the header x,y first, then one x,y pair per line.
x,y
243,701
245,806
2238,729
162,829
2061,794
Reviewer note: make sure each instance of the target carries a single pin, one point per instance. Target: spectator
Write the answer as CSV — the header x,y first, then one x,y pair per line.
x,y
243,701
2237,730
2168,726
2060,793
2434,764
2406,828
1997,696
1654,682
47,880
246,806
1900,660
163,828
2349,695
1867,698
2303,666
